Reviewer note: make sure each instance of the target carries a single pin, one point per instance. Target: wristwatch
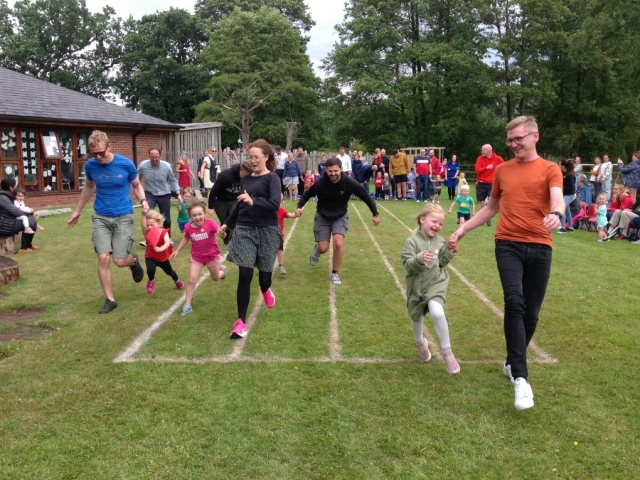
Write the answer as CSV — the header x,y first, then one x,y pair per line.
x,y
557,214
143,200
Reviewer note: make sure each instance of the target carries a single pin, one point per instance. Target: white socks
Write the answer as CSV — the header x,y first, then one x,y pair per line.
x,y
439,322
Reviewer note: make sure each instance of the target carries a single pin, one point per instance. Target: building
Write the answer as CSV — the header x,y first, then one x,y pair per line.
x,y
44,130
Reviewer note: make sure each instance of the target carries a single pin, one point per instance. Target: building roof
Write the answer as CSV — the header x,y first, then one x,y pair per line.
x,y
28,99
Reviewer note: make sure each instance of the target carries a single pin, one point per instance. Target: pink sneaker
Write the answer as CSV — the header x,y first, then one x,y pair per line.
x,y
423,350
180,284
239,329
450,361
269,298
151,286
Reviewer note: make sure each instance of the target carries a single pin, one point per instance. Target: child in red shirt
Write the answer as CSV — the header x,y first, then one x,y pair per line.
x,y
158,250
377,182
308,180
282,214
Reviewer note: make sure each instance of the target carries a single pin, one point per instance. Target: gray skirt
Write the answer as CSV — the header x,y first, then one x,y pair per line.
x,y
255,247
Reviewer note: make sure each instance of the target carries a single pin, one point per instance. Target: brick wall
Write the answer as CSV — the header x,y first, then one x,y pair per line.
x,y
122,143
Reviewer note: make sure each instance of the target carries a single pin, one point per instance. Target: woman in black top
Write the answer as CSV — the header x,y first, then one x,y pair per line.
x,y
256,239
569,192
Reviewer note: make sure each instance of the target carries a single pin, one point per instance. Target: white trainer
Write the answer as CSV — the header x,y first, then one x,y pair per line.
x,y
506,371
335,279
524,394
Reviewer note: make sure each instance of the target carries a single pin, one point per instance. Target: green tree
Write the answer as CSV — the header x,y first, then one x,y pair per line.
x,y
61,42
296,11
160,73
262,76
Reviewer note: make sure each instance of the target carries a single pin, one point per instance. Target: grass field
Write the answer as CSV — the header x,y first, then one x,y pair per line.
x,y
328,383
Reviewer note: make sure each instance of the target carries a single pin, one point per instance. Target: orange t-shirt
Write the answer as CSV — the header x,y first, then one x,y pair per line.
x,y
522,189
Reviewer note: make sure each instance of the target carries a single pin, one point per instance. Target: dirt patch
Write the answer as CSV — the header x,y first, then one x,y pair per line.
x,y
21,315
21,333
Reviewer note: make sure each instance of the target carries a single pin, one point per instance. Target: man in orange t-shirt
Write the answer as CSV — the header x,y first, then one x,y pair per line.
x,y
485,167
528,193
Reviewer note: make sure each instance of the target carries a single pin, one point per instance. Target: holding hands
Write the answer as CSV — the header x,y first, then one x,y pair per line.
x,y
222,232
246,198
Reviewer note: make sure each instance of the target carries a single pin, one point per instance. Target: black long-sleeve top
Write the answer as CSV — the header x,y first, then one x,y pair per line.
x,y
265,191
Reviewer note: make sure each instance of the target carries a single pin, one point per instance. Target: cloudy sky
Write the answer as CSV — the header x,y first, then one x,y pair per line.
x,y
326,14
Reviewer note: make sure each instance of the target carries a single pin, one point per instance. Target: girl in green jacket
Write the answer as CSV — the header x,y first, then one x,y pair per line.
x,y
425,256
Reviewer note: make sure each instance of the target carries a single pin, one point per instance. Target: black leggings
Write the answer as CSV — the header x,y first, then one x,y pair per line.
x,y
452,192
165,266
244,288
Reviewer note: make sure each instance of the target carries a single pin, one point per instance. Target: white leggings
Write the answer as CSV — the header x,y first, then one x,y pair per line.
x,y
439,323
25,221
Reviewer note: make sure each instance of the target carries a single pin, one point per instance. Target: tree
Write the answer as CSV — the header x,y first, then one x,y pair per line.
x,y
160,73
296,11
262,75
61,42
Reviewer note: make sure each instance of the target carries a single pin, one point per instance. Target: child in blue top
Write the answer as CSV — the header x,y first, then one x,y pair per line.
x,y
601,216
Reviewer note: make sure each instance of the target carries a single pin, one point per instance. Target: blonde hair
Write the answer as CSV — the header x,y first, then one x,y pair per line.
x,y
154,215
621,188
428,209
465,187
603,196
528,122
188,190
98,136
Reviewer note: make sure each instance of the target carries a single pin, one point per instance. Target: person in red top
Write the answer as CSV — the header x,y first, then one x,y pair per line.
x,y
485,167
308,179
620,200
527,191
158,250
282,214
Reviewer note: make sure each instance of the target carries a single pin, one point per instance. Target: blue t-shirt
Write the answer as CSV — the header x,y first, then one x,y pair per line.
x,y
113,183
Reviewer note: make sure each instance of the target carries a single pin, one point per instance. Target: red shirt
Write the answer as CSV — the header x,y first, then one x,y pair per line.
x,y
308,181
282,214
378,182
435,165
484,174
150,251
623,203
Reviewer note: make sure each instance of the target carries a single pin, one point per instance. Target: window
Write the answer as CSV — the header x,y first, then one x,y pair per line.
x,y
67,170
29,160
50,145
50,175
83,145
82,176
9,143
10,170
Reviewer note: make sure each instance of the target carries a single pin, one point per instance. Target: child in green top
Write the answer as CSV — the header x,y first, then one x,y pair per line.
x,y
466,206
183,215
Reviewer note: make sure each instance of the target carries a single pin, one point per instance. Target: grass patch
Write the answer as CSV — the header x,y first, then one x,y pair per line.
x,y
68,411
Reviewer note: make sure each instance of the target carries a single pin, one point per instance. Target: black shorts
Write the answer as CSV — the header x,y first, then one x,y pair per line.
x,y
483,191
400,178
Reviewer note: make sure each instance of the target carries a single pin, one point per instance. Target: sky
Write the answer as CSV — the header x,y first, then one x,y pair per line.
x,y
326,14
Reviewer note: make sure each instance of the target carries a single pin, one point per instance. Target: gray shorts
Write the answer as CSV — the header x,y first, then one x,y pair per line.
x,y
323,229
290,180
113,235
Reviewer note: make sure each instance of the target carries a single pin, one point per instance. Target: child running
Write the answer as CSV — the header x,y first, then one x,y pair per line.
x,y
282,214
425,256
466,206
601,216
205,251
158,250
183,215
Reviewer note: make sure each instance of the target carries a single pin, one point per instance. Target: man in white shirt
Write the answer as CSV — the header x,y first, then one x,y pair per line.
x,y
281,158
346,162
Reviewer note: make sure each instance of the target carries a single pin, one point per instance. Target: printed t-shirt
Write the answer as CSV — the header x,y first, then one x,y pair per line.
x,y
464,203
204,247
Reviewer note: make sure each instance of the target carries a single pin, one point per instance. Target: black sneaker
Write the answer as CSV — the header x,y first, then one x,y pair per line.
x,y
137,271
108,306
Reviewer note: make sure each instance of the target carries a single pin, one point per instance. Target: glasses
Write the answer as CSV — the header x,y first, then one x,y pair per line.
x,y
255,157
99,154
517,140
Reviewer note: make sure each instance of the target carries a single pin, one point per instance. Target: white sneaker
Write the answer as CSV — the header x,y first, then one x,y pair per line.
x,y
143,243
282,270
524,394
335,279
506,371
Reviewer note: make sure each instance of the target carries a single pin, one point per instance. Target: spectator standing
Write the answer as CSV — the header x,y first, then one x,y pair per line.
x,y
159,181
199,169
399,170
345,160
528,193
281,158
605,175
631,174
303,163
569,193
422,164
322,166
486,164
208,170
594,177
110,176
183,169
453,169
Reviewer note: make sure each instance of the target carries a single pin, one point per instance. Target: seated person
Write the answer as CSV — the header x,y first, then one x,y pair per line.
x,y
11,217
620,200
622,220
584,190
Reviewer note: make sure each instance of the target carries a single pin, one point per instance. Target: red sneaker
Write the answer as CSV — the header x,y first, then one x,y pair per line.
x,y
180,284
151,286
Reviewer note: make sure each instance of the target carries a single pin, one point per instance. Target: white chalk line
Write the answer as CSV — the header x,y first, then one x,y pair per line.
x,y
335,347
276,359
544,357
238,347
435,349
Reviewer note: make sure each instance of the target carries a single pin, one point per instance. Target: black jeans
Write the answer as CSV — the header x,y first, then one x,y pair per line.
x,y
164,203
524,272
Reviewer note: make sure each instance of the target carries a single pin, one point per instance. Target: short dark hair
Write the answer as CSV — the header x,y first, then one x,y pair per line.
x,y
155,148
278,147
7,183
333,161
394,151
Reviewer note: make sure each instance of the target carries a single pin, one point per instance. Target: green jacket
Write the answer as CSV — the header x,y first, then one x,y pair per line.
x,y
425,282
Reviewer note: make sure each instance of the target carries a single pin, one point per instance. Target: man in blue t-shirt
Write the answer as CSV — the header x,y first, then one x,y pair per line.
x,y
110,176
